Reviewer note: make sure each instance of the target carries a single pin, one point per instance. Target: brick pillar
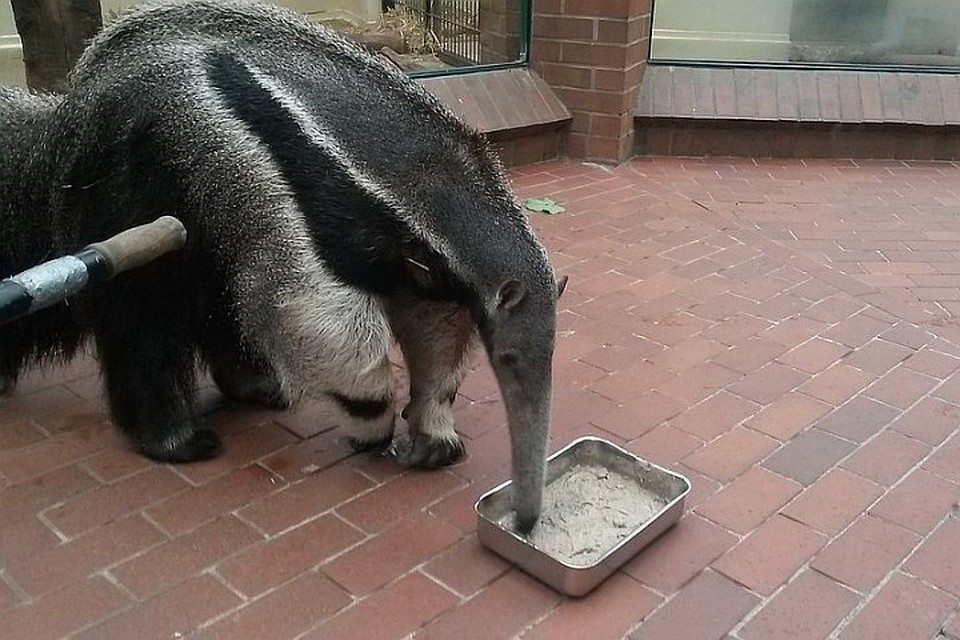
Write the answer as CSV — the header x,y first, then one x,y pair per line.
x,y
593,53
499,30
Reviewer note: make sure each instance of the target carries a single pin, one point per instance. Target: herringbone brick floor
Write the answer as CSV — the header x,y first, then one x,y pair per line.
x,y
785,333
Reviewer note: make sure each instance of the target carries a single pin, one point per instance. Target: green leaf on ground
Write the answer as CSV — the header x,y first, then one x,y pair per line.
x,y
543,205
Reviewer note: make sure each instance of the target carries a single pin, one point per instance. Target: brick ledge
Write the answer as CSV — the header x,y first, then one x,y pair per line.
x,y
758,139
696,111
499,103
793,95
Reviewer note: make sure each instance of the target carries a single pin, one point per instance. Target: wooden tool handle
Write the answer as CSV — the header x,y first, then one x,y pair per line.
x,y
140,245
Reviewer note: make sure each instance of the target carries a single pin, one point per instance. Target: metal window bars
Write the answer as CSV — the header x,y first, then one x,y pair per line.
x,y
473,34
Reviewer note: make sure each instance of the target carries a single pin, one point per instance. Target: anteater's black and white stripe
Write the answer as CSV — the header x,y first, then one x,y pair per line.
x,y
331,205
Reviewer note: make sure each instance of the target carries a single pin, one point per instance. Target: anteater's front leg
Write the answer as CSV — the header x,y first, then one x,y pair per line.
x,y
435,338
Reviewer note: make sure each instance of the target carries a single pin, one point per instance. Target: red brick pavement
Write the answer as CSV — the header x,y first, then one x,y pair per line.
x,y
786,333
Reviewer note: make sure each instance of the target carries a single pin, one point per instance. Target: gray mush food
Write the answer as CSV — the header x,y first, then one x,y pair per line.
x,y
588,511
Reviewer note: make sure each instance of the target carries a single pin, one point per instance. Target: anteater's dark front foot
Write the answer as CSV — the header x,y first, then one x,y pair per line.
x,y
377,446
188,445
430,452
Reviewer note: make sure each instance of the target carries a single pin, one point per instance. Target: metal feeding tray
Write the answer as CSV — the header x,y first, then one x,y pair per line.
x,y
601,505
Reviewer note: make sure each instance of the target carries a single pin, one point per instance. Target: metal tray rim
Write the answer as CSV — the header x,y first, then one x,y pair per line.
x,y
627,540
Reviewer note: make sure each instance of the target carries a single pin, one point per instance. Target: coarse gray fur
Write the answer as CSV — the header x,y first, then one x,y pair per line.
x,y
331,204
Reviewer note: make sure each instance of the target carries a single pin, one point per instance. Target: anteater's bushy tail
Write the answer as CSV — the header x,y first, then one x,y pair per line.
x,y
28,236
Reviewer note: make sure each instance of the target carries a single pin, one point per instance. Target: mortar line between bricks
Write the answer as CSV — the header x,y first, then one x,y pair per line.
x,y
715,323
794,258
357,600
665,600
775,323
860,445
366,538
819,336
539,619
597,165
898,569
886,490
175,470
870,595
82,464
654,590
858,394
9,482
466,599
213,571
331,511
106,571
130,606
108,575
924,581
213,567
715,251
244,599
418,569
932,328
42,517
236,514
133,556
320,623
946,625
376,482
438,581
707,399
79,462
742,536
867,597
765,600
146,516
215,574
23,598
943,309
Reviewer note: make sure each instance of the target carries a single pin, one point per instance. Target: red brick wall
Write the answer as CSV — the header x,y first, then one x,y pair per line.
x,y
593,53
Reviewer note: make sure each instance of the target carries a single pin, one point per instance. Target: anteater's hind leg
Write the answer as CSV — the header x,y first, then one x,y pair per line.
x,y
148,362
436,339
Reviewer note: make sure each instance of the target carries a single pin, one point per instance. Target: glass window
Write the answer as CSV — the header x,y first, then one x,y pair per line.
x,y
430,37
893,33
11,60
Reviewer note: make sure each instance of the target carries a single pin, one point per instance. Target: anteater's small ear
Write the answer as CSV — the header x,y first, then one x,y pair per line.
x,y
510,293
561,285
